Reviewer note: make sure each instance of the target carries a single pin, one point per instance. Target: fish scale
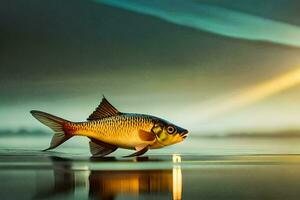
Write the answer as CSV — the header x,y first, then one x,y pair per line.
x,y
119,130
109,129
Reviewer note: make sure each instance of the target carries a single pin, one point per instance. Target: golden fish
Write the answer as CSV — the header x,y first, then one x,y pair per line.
x,y
110,129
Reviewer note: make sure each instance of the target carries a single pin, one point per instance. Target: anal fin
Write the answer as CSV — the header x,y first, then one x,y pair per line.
x,y
140,151
101,149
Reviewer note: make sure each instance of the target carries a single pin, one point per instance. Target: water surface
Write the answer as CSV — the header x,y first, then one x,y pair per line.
x,y
199,168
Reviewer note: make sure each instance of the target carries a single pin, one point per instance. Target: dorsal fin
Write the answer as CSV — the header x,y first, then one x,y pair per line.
x,y
105,109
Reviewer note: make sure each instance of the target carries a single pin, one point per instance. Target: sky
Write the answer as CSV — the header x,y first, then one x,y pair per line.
x,y
209,66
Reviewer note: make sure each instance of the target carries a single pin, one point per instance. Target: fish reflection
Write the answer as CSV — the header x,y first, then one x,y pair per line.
x,y
61,181
108,184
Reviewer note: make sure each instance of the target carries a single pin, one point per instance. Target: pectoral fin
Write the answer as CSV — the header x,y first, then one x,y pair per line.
x,y
140,151
100,149
146,136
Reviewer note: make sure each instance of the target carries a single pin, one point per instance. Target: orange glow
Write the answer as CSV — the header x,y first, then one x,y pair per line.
x,y
251,95
176,158
177,178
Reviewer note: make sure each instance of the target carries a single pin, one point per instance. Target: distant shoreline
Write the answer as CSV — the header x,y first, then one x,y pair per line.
x,y
282,134
24,132
277,134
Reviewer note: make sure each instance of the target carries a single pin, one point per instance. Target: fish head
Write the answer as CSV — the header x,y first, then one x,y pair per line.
x,y
167,133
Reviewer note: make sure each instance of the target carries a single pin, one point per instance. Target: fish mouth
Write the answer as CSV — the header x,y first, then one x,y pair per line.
x,y
184,134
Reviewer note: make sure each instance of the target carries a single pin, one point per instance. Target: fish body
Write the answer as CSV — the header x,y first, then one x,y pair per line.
x,y
110,129
121,130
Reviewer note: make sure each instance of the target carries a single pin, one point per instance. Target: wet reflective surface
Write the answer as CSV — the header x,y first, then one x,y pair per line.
x,y
32,174
56,177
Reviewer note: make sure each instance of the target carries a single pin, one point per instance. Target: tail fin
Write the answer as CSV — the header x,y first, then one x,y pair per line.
x,y
56,124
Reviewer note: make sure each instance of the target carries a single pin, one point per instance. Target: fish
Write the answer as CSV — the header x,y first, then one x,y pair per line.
x,y
109,129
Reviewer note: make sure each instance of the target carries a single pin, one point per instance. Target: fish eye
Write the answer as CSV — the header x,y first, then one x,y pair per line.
x,y
171,129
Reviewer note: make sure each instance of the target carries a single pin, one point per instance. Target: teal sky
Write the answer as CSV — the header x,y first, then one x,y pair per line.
x,y
60,57
214,19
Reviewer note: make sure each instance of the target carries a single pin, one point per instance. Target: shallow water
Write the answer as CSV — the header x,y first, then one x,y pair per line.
x,y
199,168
